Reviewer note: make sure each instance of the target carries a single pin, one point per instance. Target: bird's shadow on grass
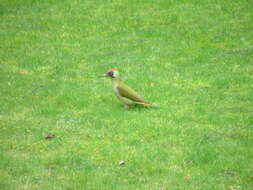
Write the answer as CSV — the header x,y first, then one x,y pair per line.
x,y
136,108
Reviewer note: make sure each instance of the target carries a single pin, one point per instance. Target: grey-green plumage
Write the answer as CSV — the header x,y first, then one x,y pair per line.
x,y
124,93
129,93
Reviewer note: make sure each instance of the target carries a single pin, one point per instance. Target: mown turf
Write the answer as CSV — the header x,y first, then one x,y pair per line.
x,y
193,58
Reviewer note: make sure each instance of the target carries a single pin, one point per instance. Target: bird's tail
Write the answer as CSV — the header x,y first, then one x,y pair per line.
x,y
146,104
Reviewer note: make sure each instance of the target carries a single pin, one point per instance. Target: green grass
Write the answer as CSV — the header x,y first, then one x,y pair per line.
x,y
193,58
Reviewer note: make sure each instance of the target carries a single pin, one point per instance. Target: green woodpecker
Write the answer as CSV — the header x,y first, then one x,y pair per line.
x,y
124,93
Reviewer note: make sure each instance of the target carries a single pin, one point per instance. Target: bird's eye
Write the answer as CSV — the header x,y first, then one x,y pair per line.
x,y
110,74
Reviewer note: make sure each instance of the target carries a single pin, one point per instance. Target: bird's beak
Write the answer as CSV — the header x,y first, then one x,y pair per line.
x,y
104,75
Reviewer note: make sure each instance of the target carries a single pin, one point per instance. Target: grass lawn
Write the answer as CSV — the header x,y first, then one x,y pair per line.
x,y
193,58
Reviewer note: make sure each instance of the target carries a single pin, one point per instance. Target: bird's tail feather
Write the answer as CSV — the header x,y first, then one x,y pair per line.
x,y
147,104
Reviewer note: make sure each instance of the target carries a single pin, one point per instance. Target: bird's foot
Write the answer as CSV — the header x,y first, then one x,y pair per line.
x,y
127,107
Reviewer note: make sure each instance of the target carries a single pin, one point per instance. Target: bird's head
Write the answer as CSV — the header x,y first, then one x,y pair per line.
x,y
112,73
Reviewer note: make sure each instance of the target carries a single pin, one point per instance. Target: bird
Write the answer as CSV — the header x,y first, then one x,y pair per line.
x,y
124,93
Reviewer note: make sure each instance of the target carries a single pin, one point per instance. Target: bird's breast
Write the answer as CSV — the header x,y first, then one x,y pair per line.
x,y
115,89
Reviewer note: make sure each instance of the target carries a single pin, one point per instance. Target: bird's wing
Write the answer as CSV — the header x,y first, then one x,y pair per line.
x,y
129,93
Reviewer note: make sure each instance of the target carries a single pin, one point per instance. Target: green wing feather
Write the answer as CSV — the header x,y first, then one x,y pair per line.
x,y
129,93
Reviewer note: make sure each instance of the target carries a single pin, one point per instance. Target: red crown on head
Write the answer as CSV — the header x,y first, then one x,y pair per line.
x,y
110,70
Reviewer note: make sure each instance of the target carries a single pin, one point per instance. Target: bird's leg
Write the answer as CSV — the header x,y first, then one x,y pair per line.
x,y
126,107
